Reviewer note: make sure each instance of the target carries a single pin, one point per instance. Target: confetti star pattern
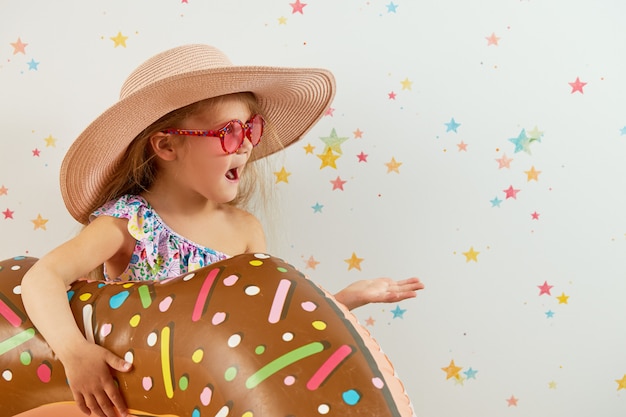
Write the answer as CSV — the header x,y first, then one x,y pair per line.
x,y
119,40
452,371
577,86
354,262
39,222
471,255
282,176
393,166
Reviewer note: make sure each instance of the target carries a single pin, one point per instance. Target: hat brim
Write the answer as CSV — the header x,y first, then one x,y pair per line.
x,y
292,100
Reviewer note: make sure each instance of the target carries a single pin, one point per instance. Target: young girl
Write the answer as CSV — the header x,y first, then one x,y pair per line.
x,y
159,178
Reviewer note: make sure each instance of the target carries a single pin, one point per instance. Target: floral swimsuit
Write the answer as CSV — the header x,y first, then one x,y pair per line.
x,y
160,252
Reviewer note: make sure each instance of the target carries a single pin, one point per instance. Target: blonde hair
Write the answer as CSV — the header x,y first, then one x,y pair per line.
x,y
137,169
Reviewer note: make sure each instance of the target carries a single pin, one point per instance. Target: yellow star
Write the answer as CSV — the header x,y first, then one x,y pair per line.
x,y
532,174
552,384
40,222
120,40
393,165
452,371
534,134
50,141
282,175
354,262
282,20
406,84
621,383
562,298
309,148
471,255
328,159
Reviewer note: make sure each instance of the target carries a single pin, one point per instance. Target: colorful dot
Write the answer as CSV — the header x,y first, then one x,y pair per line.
x,y
195,412
129,356
231,280
377,382
323,409
183,382
84,297
134,320
197,356
7,375
351,397
247,414
259,350
319,325
281,269
289,380
218,318
205,395
309,306
146,382
230,373
252,290
25,357
152,339
128,285
287,336
165,304
234,340
118,299
256,262
44,372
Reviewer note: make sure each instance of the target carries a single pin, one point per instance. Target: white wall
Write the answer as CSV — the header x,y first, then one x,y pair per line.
x,y
485,314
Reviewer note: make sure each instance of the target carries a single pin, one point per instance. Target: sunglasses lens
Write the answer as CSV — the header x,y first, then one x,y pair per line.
x,y
233,136
256,129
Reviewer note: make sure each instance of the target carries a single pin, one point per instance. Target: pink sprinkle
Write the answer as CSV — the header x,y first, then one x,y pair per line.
x,y
147,383
105,330
309,306
205,396
44,373
378,383
165,304
229,281
218,318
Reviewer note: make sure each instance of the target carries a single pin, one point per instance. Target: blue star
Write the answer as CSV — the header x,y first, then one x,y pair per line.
x,y
522,142
32,65
317,208
495,202
452,125
470,373
398,312
623,130
549,314
391,7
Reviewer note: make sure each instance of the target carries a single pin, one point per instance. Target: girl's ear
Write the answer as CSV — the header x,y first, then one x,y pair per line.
x,y
163,146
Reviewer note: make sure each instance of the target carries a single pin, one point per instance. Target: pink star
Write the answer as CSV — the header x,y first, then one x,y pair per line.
x,y
492,40
19,46
362,157
357,133
311,262
545,288
8,214
338,183
329,112
297,7
36,152
511,192
577,86
369,321
534,215
3,190
504,162
392,96
462,146
512,401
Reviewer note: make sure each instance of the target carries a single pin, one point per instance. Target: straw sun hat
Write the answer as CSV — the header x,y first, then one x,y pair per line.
x,y
292,100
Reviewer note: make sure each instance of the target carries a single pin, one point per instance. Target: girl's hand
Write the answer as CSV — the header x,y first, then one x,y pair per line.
x,y
379,290
89,376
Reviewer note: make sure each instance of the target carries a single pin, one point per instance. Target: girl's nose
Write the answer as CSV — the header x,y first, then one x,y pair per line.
x,y
246,147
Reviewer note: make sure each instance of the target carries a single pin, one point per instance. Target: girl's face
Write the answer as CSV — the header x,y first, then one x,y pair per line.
x,y
202,167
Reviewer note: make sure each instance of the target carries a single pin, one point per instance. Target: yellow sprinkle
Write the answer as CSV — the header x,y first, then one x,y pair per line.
x,y
85,296
134,320
319,325
197,356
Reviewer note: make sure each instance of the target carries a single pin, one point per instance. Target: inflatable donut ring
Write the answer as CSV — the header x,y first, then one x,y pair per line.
x,y
249,336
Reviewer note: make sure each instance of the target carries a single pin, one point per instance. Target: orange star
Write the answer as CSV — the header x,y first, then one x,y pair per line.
x,y
492,40
3,190
512,401
357,134
40,222
19,46
354,262
393,165
311,263
452,371
532,174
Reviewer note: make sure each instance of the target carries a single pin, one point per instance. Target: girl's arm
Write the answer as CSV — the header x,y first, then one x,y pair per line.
x,y
44,295
379,290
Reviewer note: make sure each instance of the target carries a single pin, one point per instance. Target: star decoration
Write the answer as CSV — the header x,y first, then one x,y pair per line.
x,y
563,298
545,288
282,175
308,148
39,222
297,7
354,262
406,84
471,255
535,134
32,65
504,162
577,86
452,371
119,40
393,165
495,202
492,40
622,131
8,214
338,183
19,46
549,314
511,192
462,146
282,20
50,142
3,190
328,159
521,142
391,8
36,152
451,126
532,174
470,373
370,321
534,215
333,142
552,385
362,157
512,401
621,383
391,95
398,312
329,112
358,134
311,263
317,208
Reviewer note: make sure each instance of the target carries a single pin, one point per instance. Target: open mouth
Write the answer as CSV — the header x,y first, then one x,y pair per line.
x,y
232,174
